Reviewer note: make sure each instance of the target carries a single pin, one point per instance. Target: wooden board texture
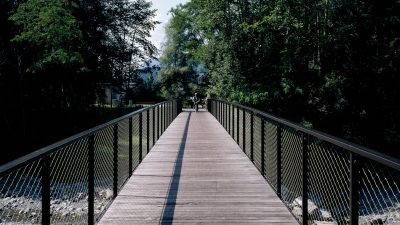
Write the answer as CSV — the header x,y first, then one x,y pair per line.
x,y
196,174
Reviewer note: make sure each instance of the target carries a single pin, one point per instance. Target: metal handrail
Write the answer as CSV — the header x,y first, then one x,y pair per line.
x,y
45,151
361,150
299,163
88,160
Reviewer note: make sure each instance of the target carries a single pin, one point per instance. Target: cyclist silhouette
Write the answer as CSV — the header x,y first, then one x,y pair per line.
x,y
196,101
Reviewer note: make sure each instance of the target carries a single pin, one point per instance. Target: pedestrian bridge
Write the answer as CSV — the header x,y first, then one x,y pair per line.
x,y
228,165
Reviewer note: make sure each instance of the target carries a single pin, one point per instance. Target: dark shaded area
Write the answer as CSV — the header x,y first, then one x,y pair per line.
x,y
169,209
44,127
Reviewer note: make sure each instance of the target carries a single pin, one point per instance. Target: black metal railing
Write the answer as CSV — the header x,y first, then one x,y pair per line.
x,y
320,178
75,180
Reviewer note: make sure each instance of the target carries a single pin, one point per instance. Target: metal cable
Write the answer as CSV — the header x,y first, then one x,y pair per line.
x,y
20,195
271,153
123,151
103,170
291,165
69,173
257,142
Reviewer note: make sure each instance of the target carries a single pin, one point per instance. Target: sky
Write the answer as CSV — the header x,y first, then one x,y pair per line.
x,y
162,15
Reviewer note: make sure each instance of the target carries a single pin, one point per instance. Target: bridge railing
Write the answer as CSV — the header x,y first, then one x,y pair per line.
x,y
75,180
320,178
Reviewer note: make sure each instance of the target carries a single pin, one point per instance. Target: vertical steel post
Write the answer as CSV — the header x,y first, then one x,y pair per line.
x,y
130,148
154,125
279,161
237,125
233,122
91,180
244,130
140,137
305,179
209,106
46,168
354,188
164,118
228,119
179,109
115,150
262,147
148,130
252,137
158,122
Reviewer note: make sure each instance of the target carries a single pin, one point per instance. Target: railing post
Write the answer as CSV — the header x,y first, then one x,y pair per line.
x,y
209,105
262,147
233,122
237,125
228,118
224,117
305,179
164,118
252,137
279,161
148,130
91,180
130,147
158,122
179,107
140,137
46,168
244,130
154,125
354,188
115,150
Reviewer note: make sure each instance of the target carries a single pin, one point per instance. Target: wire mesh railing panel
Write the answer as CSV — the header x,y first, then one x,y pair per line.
x,y
151,121
328,182
344,183
291,165
103,170
144,134
271,153
379,193
156,125
135,141
233,123
69,184
248,131
241,128
21,195
257,154
123,151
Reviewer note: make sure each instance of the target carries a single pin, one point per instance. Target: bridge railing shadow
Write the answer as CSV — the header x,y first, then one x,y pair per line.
x,y
320,178
75,180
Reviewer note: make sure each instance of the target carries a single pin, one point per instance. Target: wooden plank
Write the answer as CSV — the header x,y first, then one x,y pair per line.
x,y
197,175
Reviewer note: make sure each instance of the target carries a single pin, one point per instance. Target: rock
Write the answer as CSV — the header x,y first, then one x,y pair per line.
x,y
55,202
299,202
65,214
109,194
297,211
33,214
373,219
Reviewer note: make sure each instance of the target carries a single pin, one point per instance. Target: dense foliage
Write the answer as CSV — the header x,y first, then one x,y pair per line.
x,y
58,55
330,65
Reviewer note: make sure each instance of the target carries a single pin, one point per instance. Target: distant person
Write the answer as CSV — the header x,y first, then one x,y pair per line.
x,y
196,101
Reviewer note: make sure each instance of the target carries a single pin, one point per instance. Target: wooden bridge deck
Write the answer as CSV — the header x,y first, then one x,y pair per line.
x,y
197,174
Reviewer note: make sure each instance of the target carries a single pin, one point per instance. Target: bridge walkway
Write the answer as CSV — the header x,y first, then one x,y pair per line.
x,y
196,174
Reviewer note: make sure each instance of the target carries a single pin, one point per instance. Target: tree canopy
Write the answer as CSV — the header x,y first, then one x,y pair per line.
x,y
330,65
